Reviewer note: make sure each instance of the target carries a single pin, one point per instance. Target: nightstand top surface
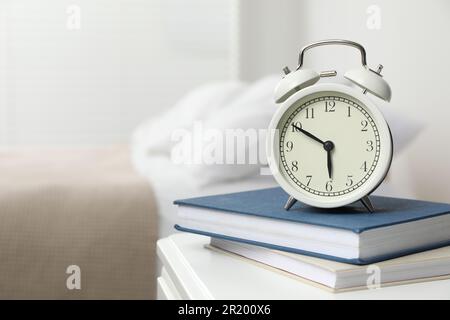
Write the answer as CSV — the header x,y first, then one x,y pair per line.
x,y
196,272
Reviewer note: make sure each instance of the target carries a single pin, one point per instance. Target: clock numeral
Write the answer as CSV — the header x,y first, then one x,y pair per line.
x,y
349,113
296,124
364,124
369,145
329,186
289,146
309,113
349,182
329,106
309,180
294,167
364,166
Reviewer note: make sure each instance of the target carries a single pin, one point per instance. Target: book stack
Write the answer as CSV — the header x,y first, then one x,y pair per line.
x,y
404,240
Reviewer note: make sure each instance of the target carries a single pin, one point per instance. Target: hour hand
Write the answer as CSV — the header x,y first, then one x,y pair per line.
x,y
329,164
329,146
308,134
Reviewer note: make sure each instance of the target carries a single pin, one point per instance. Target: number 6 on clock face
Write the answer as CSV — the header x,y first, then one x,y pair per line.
x,y
329,145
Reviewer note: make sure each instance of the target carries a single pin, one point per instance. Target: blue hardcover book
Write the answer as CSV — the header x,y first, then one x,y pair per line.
x,y
349,234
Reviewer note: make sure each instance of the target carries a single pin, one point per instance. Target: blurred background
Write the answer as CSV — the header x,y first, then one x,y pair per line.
x,y
88,72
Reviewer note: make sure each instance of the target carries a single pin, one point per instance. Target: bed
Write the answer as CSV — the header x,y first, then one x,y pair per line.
x,y
80,206
87,207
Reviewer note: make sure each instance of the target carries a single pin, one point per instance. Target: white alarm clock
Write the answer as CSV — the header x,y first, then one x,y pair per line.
x,y
329,145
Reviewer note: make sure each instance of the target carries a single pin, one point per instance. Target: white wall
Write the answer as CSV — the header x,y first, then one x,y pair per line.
x,y
129,60
413,45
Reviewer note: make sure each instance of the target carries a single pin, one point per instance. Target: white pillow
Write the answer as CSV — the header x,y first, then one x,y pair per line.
x,y
154,136
247,115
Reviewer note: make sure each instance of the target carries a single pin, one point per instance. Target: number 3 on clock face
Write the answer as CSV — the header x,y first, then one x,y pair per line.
x,y
329,146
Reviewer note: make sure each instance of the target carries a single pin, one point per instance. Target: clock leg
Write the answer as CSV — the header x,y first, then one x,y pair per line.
x,y
289,203
367,204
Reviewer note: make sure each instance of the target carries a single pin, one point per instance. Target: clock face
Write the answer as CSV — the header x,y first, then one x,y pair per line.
x,y
329,146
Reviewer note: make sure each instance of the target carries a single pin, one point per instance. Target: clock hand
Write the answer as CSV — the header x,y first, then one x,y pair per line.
x,y
329,164
308,134
329,146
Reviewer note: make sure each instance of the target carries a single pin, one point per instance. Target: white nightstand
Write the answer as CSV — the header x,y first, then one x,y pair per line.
x,y
191,271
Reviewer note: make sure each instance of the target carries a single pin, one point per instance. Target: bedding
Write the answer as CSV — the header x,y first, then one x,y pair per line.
x,y
83,207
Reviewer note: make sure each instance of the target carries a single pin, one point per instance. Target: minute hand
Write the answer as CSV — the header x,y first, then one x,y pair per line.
x,y
308,134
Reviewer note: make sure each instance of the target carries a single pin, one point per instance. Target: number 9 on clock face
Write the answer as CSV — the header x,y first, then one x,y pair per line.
x,y
329,146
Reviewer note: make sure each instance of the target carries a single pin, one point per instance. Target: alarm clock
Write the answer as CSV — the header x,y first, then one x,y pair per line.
x,y
328,144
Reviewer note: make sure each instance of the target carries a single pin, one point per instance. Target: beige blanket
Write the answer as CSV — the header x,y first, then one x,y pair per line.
x,y
83,207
